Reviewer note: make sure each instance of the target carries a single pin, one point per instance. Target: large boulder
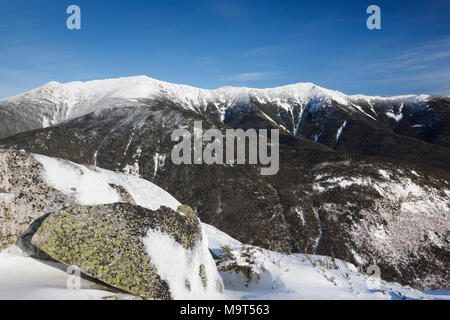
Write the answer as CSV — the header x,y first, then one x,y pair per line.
x,y
24,196
32,186
131,248
38,193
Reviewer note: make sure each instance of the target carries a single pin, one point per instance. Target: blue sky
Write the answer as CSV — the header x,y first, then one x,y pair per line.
x,y
210,43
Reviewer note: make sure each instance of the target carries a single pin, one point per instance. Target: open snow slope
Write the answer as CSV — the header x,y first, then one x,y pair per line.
x,y
92,186
28,279
297,276
284,277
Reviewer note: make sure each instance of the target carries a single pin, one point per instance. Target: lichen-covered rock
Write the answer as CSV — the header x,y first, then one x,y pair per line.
x,y
24,196
124,194
39,194
106,242
32,186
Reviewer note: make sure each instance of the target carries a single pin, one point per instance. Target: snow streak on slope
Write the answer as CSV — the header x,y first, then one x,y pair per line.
x,y
339,132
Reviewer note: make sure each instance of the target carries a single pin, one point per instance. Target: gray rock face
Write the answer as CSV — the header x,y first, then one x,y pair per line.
x,y
106,243
24,197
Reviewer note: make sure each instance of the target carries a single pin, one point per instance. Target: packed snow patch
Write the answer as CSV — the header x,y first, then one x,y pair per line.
x,y
274,275
217,238
26,278
396,117
180,267
92,186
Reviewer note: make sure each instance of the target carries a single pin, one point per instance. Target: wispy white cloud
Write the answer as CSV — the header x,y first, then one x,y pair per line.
x,y
263,51
250,76
437,81
425,67
421,57
432,77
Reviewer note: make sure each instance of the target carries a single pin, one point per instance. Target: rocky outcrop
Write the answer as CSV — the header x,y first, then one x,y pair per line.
x,y
48,207
106,242
24,196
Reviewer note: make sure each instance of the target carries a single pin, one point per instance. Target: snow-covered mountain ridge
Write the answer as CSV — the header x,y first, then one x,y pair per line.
x,y
59,102
145,87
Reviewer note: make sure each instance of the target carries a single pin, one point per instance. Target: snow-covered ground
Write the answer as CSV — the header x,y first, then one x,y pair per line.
x,y
25,278
281,276
177,265
273,275
92,185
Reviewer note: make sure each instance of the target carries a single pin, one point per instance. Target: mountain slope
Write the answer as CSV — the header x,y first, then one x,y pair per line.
x,y
321,201
354,170
356,124
274,275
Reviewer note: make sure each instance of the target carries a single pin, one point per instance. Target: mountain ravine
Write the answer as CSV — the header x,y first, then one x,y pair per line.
x,y
363,179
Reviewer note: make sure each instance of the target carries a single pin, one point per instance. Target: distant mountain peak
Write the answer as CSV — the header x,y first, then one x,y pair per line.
x,y
55,102
142,86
